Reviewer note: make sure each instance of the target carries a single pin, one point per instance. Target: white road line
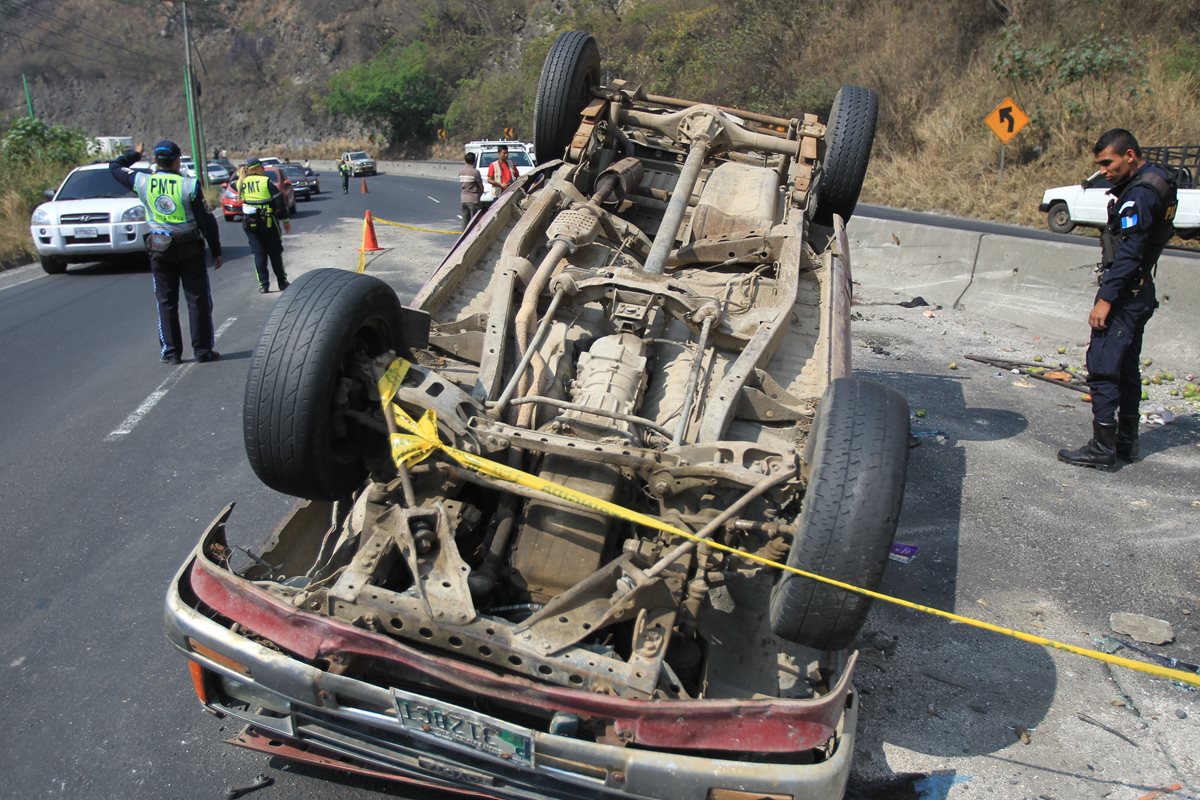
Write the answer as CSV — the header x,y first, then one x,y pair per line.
x,y
126,427
21,283
434,199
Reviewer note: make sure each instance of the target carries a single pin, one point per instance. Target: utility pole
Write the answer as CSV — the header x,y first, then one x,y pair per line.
x,y
28,97
195,128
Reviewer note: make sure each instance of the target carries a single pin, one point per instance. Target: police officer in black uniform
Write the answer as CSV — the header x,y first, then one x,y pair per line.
x,y
1139,225
180,222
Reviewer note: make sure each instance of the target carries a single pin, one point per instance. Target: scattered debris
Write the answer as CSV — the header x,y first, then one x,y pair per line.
x,y
904,553
1179,712
1154,414
1166,790
1085,718
953,365
937,785
895,240
1023,734
260,782
916,302
1142,628
1166,661
929,313
919,413
1062,375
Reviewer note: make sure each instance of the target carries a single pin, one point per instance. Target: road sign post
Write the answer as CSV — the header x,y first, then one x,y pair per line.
x,y
1006,121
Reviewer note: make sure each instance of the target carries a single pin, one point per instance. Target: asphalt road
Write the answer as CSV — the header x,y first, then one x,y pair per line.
x,y
96,705
93,701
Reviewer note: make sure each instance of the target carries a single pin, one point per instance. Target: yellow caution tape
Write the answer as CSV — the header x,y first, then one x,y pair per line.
x,y
422,440
414,227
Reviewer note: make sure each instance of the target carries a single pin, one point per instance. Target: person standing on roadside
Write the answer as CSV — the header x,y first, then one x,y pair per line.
x,y
502,172
1139,226
180,222
470,189
263,211
344,169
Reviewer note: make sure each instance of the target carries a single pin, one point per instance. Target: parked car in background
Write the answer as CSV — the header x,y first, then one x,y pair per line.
x,y
217,173
229,166
487,151
231,199
1086,203
270,161
187,167
302,185
91,217
360,162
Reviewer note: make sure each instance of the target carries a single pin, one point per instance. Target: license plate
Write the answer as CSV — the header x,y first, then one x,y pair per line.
x,y
479,732
85,233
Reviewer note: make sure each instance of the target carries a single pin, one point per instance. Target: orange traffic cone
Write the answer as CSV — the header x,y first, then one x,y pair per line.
x,y
369,243
364,186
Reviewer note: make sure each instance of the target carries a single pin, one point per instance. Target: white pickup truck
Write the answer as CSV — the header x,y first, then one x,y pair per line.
x,y
1086,204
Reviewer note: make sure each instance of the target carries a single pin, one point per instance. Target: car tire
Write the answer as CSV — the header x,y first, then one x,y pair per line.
x,y
53,265
858,457
850,134
1058,218
230,217
571,69
294,440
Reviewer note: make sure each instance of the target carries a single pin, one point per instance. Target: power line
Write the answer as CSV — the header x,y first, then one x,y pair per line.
x,y
47,45
29,9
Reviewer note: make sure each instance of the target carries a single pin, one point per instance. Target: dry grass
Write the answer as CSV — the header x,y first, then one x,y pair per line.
x,y
16,246
953,164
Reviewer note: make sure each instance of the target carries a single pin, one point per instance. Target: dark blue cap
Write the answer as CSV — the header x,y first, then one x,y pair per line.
x,y
253,162
166,150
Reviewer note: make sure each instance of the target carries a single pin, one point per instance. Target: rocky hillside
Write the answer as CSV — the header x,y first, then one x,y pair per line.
x,y
1075,66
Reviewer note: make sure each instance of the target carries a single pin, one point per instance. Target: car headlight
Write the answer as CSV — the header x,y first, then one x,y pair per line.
x,y
41,217
135,214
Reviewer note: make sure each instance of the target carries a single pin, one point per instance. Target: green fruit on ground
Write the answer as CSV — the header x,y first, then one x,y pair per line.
x,y
1062,350
1147,362
1145,381
1156,380
1168,376
1174,393
1037,359
1145,395
953,365
920,412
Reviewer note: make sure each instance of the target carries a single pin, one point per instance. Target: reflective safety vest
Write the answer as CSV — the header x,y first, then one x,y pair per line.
x,y
256,191
167,198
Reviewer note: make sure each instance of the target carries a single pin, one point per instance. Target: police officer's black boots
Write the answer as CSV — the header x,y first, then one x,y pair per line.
x,y
1100,451
1127,437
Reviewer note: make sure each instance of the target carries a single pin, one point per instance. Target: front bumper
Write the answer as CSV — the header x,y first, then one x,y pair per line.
x,y
1043,207
109,239
319,715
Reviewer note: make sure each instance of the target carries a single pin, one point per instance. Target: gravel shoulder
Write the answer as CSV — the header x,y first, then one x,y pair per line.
x,y
1010,535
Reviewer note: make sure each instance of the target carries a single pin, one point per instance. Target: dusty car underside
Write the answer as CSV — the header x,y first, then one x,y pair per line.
x,y
658,322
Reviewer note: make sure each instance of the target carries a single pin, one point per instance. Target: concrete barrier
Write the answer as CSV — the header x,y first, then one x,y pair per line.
x,y
1045,286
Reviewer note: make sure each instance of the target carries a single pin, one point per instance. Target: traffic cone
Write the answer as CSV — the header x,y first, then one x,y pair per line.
x,y
364,186
369,243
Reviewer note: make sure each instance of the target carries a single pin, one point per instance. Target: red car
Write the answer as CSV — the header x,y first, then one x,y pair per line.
x,y
231,201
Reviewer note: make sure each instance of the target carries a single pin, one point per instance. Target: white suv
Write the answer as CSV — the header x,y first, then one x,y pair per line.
x,y
485,153
90,217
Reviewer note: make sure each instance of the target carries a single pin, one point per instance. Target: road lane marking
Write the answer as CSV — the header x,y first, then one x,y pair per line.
x,y
147,405
434,199
22,283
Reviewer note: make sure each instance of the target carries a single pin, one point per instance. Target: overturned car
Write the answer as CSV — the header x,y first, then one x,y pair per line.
x,y
544,505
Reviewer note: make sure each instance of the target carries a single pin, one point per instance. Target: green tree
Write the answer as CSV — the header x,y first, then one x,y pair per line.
x,y
397,89
31,140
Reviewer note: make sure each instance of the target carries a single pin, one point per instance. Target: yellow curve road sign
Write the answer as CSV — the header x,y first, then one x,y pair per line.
x,y
1006,120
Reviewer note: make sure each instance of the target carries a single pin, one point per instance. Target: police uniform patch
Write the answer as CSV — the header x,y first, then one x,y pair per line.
x,y
1129,221
164,204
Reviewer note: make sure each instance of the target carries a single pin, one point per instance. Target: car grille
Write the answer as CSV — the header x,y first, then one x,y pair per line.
x,y
81,219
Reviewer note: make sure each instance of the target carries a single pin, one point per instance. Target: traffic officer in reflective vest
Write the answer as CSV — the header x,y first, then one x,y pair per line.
x,y
263,211
1139,225
180,222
